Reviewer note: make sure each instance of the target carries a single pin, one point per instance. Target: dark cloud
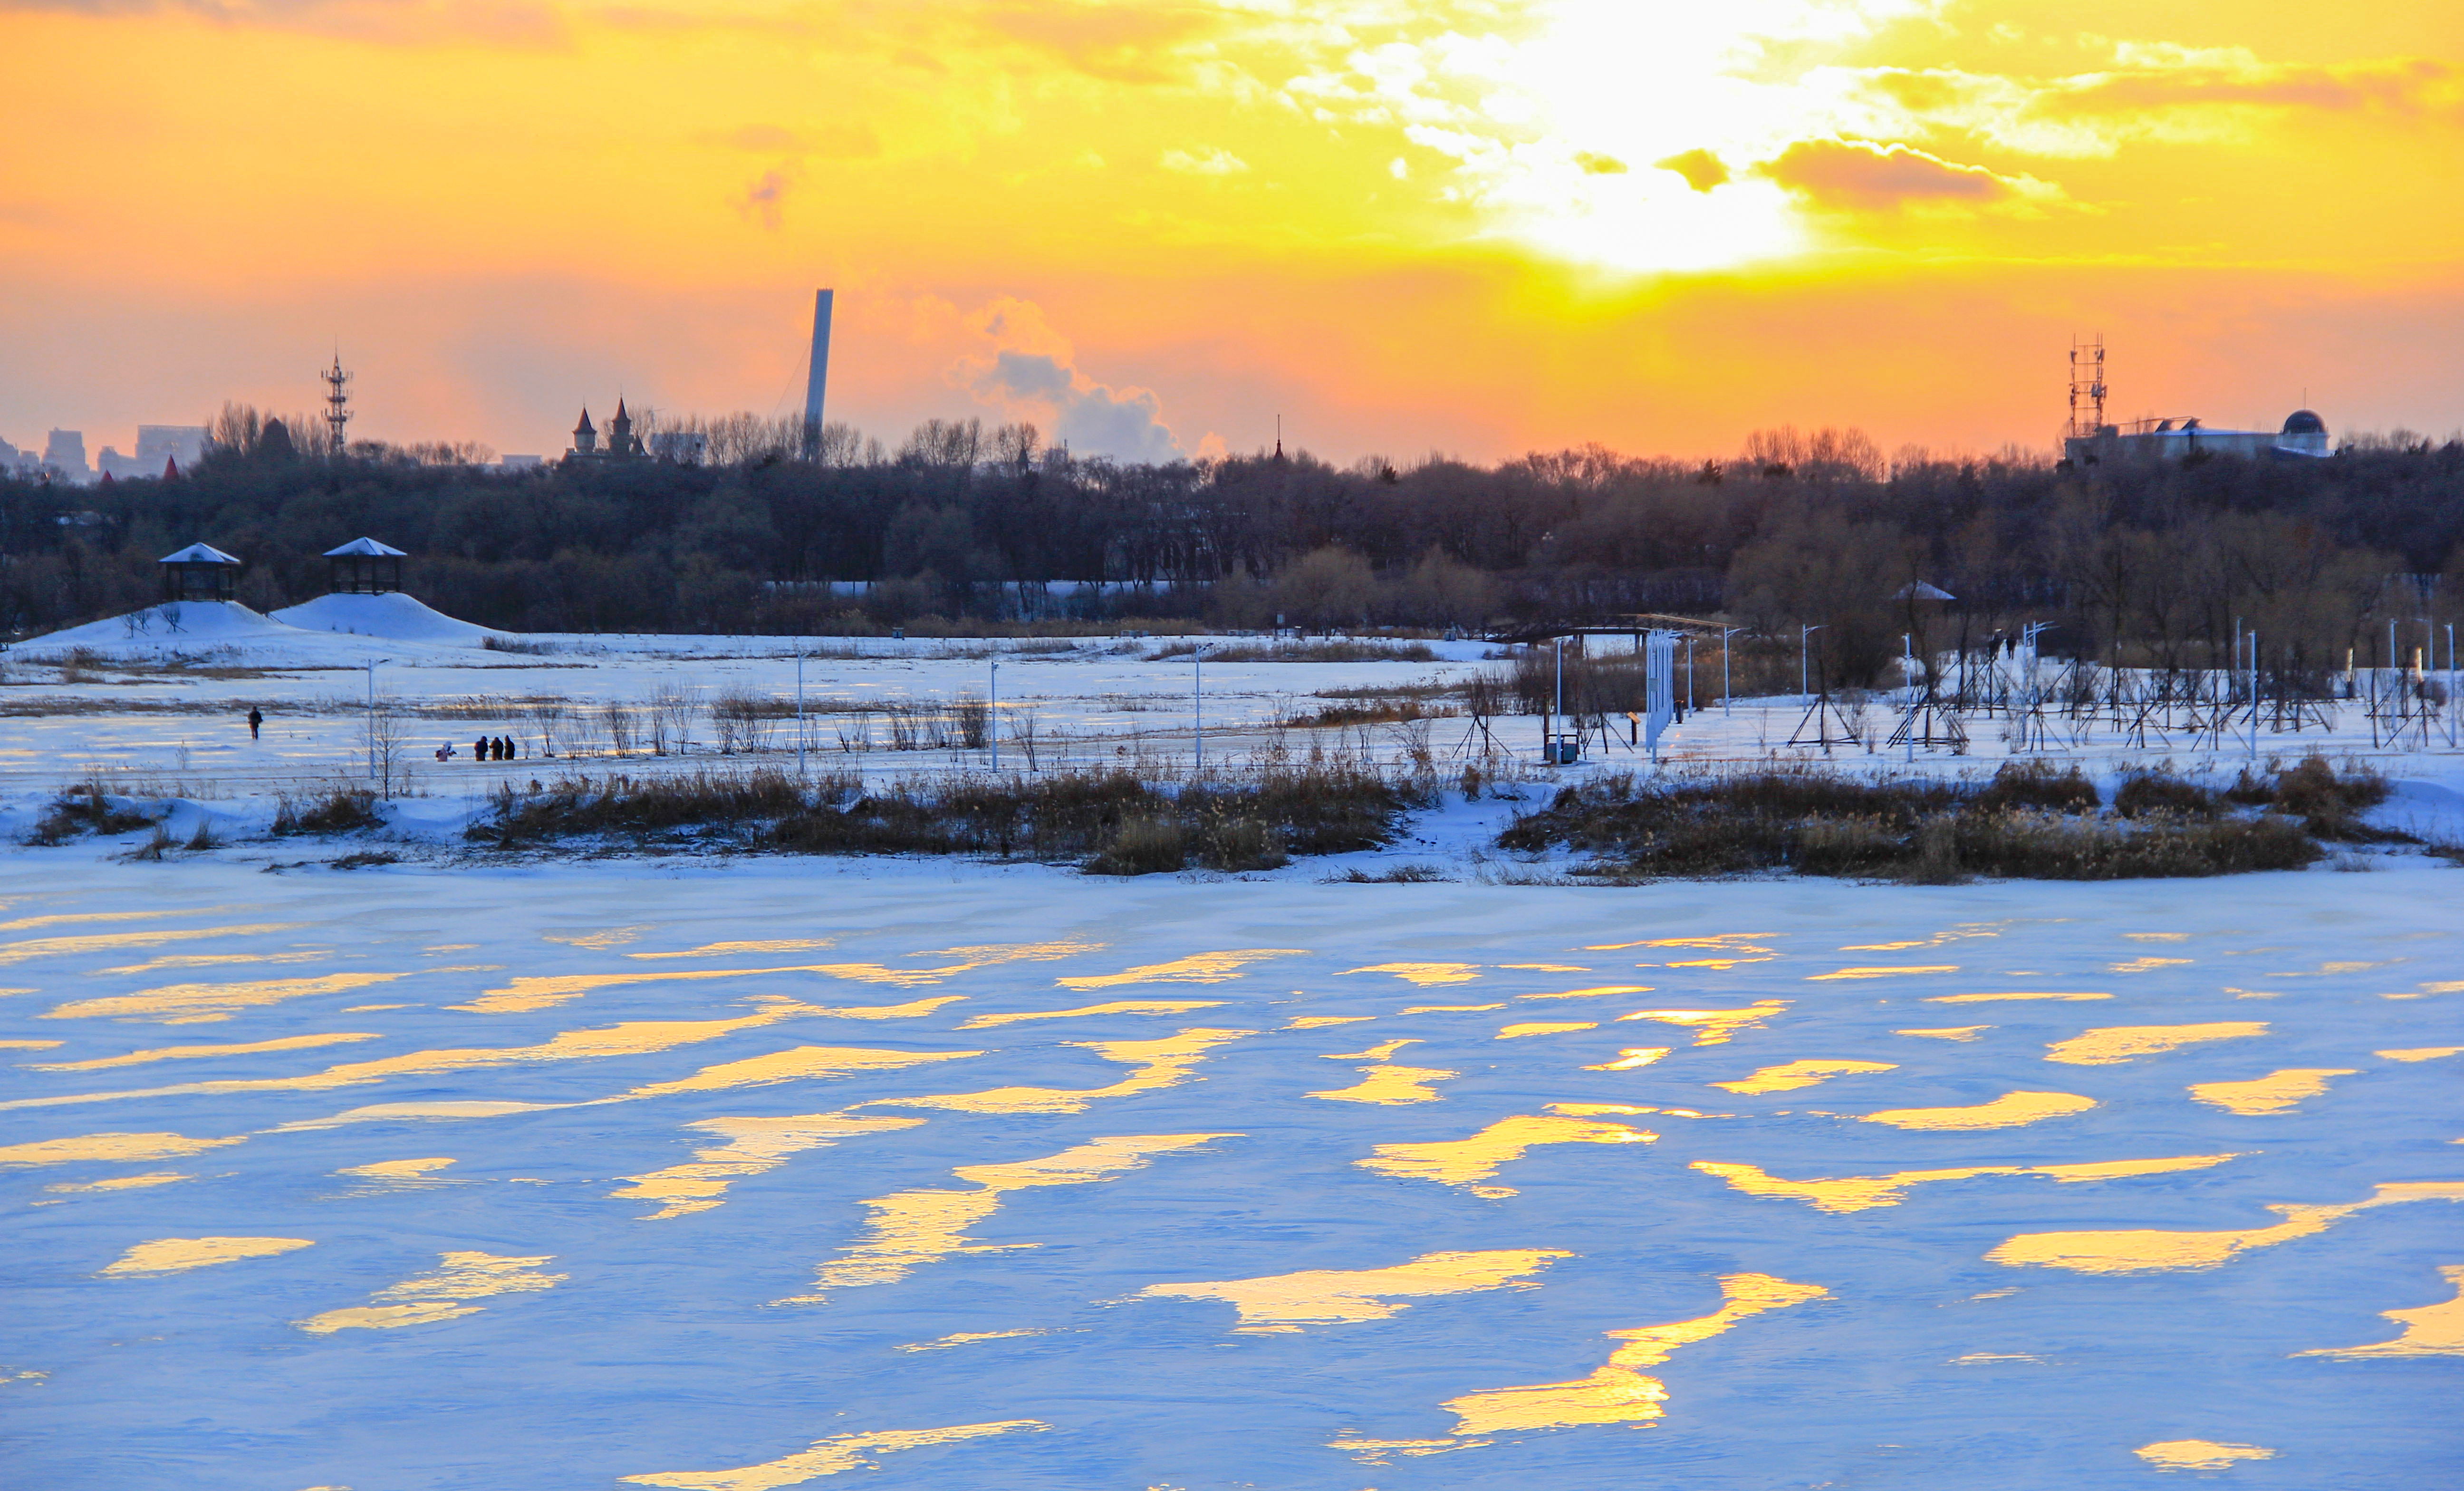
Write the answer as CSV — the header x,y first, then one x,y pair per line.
x,y
1854,175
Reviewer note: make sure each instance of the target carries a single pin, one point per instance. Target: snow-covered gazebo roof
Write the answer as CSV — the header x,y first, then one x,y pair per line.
x,y
1922,592
198,554
364,549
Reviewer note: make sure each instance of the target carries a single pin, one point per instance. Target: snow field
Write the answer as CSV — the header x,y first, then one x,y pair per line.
x,y
757,1174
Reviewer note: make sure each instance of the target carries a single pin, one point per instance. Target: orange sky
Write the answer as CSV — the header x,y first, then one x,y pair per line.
x,y
1473,226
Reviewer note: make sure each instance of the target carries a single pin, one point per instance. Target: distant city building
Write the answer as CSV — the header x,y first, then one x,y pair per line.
x,y
2169,442
621,443
160,445
65,454
116,467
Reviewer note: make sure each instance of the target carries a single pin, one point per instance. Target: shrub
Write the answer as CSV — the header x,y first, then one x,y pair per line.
x,y
342,810
1142,846
2158,795
2035,783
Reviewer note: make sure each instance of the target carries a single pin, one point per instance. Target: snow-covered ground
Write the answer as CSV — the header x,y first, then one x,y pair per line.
x,y
749,1174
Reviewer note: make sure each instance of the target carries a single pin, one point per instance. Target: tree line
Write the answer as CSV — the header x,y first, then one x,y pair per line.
x,y
2163,565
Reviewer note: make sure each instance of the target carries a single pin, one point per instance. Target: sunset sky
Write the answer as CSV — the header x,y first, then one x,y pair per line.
x,y
1470,225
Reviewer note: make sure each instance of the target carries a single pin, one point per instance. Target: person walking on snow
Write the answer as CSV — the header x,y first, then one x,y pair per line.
x,y
255,722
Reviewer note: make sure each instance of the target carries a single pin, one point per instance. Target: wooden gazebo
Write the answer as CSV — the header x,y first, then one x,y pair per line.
x,y
200,572
364,567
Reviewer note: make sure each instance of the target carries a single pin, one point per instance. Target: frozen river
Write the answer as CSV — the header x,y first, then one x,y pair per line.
x,y
749,1175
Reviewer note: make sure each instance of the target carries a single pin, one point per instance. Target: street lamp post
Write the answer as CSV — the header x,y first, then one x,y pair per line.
x,y
992,717
1726,634
799,710
372,717
1805,659
1198,702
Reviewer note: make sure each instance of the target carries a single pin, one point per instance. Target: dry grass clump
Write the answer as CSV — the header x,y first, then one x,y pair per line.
x,y
581,804
2035,783
337,810
1113,822
1919,830
86,808
2329,802
2154,795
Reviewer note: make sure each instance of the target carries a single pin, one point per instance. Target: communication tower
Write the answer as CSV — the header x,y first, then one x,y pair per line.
x,y
2088,388
338,403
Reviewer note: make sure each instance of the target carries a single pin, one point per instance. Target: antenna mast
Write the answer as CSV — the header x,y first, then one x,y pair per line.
x,y
2088,388
338,410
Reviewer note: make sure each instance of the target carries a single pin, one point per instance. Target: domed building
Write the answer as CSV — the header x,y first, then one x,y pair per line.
x,y
2163,442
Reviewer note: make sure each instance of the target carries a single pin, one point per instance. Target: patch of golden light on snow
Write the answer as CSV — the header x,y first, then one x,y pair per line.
x,y
1793,1075
830,1456
547,990
371,1008
2419,1053
2146,964
2008,1111
1116,1006
1467,1162
1374,1053
798,1063
1619,1392
2428,1330
1391,1085
1862,1192
1883,971
75,918
1630,1058
2002,998
443,1295
754,1146
730,950
2449,987
1374,1452
397,1169
61,946
914,1228
188,1004
1592,993
119,1183
1164,1062
1728,942
1425,973
1204,967
968,1338
186,1052
2277,1092
31,1045
1714,1027
1317,1022
1286,1302
1543,1027
1547,968
179,1254
633,1037
1948,1031
110,1148
451,1111
600,940
1450,1009
214,959
2151,1251
2199,1455
2114,1044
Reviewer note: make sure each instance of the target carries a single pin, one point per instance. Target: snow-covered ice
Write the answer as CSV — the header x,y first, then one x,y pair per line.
x,y
753,1174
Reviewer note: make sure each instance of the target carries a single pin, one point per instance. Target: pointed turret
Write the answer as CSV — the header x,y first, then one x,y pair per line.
x,y
620,432
586,438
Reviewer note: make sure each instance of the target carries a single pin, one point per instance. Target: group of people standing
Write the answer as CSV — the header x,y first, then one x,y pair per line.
x,y
487,747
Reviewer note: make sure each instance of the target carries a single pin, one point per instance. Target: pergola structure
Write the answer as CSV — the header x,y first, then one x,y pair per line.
x,y
200,572
364,567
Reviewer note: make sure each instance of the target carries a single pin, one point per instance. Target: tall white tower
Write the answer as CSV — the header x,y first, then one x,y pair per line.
x,y
818,381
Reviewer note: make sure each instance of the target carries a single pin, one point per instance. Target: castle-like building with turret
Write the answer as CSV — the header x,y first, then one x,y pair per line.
x,y
622,444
